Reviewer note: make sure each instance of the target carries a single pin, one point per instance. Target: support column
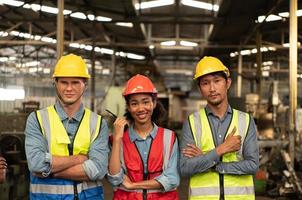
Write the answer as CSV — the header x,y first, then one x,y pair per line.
x,y
60,29
293,59
239,76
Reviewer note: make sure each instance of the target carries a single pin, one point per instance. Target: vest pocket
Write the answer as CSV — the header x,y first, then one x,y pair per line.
x,y
93,193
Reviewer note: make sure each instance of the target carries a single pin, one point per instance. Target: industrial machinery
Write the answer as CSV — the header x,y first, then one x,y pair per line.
x,y
12,149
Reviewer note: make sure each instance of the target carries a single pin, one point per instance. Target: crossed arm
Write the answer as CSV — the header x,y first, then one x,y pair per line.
x,y
194,161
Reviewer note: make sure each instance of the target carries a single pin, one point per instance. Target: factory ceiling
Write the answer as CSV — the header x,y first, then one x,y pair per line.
x,y
162,38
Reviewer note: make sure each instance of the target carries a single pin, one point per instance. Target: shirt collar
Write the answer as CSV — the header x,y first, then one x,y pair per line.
x,y
210,112
134,136
63,116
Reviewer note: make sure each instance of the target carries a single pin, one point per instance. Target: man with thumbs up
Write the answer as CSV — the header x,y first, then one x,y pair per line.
x,y
219,150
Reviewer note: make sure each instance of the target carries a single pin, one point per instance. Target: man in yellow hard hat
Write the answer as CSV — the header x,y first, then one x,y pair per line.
x,y
219,150
66,144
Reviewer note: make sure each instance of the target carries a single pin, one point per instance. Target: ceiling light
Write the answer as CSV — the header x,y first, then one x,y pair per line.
x,y
49,9
125,24
3,34
151,46
106,51
12,2
180,71
252,51
91,17
135,56
199,4
78,15
103,19
188,43
281,15
168,43
46,71
153,4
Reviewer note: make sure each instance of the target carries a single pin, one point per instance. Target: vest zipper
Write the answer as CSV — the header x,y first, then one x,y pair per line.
x,y
221,185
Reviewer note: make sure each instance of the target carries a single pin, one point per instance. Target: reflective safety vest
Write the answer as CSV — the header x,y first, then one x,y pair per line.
x,y
211,185
59,145
158,158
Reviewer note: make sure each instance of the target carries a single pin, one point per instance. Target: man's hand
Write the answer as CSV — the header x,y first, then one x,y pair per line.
x,y
81,158
231,144
3,164
191,151
3,167
127,183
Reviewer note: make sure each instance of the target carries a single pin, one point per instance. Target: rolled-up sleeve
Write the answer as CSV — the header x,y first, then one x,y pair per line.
x,y
170,179
36,147
96,166
116,179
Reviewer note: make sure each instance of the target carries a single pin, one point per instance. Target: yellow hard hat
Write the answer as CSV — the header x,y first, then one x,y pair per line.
x,y
71,66
208,65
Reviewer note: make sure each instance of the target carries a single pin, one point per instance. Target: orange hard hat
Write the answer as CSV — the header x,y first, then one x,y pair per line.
x,y
139,84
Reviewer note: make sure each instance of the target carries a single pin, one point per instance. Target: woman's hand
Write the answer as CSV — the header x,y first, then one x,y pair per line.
x,y
127,183
119,125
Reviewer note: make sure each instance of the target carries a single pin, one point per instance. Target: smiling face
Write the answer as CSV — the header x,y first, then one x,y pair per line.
x,y
214,89
141,106
70,90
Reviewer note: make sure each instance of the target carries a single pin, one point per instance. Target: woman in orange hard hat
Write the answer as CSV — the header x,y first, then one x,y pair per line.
x,y
144,158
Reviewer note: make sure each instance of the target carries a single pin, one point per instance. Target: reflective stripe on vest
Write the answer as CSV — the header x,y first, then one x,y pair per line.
x,y
167,137
206,185
58,141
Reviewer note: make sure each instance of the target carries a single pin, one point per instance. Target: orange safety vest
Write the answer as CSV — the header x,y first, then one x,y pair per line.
x,y
156,162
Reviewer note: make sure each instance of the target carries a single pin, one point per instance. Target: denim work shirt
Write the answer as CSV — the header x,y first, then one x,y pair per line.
x,y
199,164
36,147
169,178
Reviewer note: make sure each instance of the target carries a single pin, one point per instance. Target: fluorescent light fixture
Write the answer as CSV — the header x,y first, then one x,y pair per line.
x,y
7,94
46,71
88,47
153,4
12,2
151,46
252,51
125,24
135,56
106,71
74,45
180,71
277,17
287,44
106,51
267,63
91,17
3,59
78,15
168,43
28,64
103,19
265,73
201,5
51,10
188,43
3,34
48,39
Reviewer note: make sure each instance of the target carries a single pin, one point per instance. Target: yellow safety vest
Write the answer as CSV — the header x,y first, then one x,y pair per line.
x,y
59,145
210,185
57,136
